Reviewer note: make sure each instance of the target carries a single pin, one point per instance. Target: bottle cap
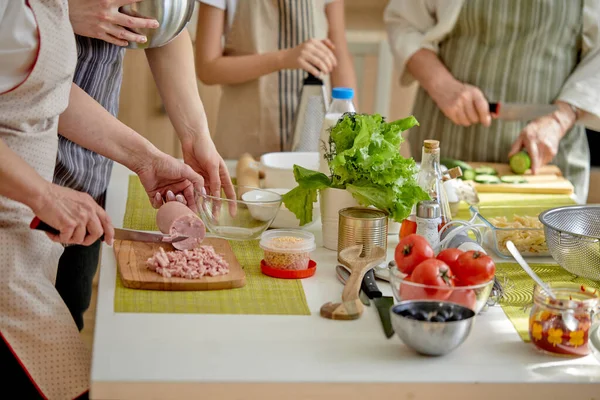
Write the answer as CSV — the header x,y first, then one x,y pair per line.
x,y
428,209
342,93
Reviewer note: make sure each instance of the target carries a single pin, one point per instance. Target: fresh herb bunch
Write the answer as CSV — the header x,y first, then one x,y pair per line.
x,y
364,158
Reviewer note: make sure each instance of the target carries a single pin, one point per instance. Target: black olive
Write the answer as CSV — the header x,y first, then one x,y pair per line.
x,y
438,318
445,313
453,317
410,316
421,315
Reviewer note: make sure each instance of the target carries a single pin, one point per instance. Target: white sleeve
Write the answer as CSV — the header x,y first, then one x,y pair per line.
x,y
222,4
418,24
582,88
18,43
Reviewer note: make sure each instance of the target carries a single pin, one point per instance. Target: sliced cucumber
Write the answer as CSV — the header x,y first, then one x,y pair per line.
x,y
487,179
485,170
468,174
513,179
520,162
451,163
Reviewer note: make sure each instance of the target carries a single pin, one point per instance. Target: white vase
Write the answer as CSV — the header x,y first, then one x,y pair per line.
x,y
332,201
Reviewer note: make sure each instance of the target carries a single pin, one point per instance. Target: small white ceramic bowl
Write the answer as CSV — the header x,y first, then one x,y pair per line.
x,y
261,203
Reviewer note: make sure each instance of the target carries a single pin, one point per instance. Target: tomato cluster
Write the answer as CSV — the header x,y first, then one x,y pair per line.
x,y
451,269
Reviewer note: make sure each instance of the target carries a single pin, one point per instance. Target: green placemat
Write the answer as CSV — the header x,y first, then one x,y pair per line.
x,y
261,295
519,290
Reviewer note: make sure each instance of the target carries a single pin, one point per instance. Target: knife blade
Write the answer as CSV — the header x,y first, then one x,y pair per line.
x,y
382,303
343,274
521,111
120,234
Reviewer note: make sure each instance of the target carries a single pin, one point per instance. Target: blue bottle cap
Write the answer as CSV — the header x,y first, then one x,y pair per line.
x,y
342,93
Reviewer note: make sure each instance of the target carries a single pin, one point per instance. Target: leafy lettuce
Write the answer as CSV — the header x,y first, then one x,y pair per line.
x,y
365,160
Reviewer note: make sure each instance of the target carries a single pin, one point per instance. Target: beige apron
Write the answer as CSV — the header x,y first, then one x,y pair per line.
x,y
34,321
258,116
514,51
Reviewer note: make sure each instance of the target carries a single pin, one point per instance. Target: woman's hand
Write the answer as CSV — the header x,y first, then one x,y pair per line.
x,y
462,103
164,174
542,136
314,56
203,157
101,19
76,215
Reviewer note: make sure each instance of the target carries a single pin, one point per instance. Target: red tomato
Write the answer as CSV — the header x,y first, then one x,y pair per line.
x,y
434,272
411,251
449,256
464,297
474,267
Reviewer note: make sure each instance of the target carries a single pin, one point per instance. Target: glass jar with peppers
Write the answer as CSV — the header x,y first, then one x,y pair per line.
x,y
561,326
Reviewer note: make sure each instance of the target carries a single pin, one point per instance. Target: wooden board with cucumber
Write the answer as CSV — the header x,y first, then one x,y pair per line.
x,y
501,178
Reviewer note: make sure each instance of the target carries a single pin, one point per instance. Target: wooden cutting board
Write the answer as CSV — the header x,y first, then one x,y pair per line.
x,y
548,180
131,261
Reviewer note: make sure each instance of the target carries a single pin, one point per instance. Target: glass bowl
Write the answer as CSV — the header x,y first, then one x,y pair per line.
x,y
473,297
518,224
244,218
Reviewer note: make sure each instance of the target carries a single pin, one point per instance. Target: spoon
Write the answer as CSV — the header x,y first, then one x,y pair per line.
x,y
570,321
351,307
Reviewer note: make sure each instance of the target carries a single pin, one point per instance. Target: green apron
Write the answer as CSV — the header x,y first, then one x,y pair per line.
x,y
514,51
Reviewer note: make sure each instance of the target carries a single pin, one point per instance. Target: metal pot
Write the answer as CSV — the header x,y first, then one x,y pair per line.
x,y
172,16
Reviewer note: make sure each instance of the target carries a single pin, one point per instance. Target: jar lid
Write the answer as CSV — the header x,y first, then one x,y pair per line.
x,y
428,209
287,241
289,274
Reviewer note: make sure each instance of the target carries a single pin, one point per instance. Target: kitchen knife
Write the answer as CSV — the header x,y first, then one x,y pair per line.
x,y
521,111
120,234
343,275
383,303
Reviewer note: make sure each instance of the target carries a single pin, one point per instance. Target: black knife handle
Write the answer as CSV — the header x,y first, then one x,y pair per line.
x,y
40,225
369,286
494,108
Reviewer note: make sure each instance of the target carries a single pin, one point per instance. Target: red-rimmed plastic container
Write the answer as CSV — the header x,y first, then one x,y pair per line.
x,y
287,250
289,273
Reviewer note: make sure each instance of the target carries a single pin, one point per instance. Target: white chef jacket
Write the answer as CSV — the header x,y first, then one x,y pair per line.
x,y
422,24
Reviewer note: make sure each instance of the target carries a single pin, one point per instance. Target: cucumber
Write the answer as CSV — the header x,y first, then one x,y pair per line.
x,y
451,163
485,170
487,179
468,175
520,162
513,179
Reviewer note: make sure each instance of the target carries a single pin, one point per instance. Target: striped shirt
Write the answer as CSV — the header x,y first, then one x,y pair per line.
x,y
99,72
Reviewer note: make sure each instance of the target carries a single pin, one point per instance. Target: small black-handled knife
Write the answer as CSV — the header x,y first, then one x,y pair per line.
x,y
383,303
120,234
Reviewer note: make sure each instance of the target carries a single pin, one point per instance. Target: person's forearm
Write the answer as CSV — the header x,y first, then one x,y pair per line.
x,y
88,124
428,70
231,70
179,91
18,180
343,75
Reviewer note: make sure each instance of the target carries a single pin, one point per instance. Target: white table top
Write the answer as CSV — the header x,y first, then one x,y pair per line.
x,y
246,356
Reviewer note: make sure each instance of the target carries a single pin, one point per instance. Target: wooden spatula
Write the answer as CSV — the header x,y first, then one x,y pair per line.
x,y
351,307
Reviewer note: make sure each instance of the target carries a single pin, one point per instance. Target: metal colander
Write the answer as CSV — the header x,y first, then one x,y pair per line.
x,y
573,238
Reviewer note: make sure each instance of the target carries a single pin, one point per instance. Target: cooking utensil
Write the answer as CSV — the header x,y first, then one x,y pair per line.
x,y
383,303
428,337
120,234
568,318
573,238
172,17
343,274
310,115
364,226
521,111
134,273
351,307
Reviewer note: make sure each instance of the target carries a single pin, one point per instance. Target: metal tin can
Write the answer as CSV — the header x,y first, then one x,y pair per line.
x,y
366,226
